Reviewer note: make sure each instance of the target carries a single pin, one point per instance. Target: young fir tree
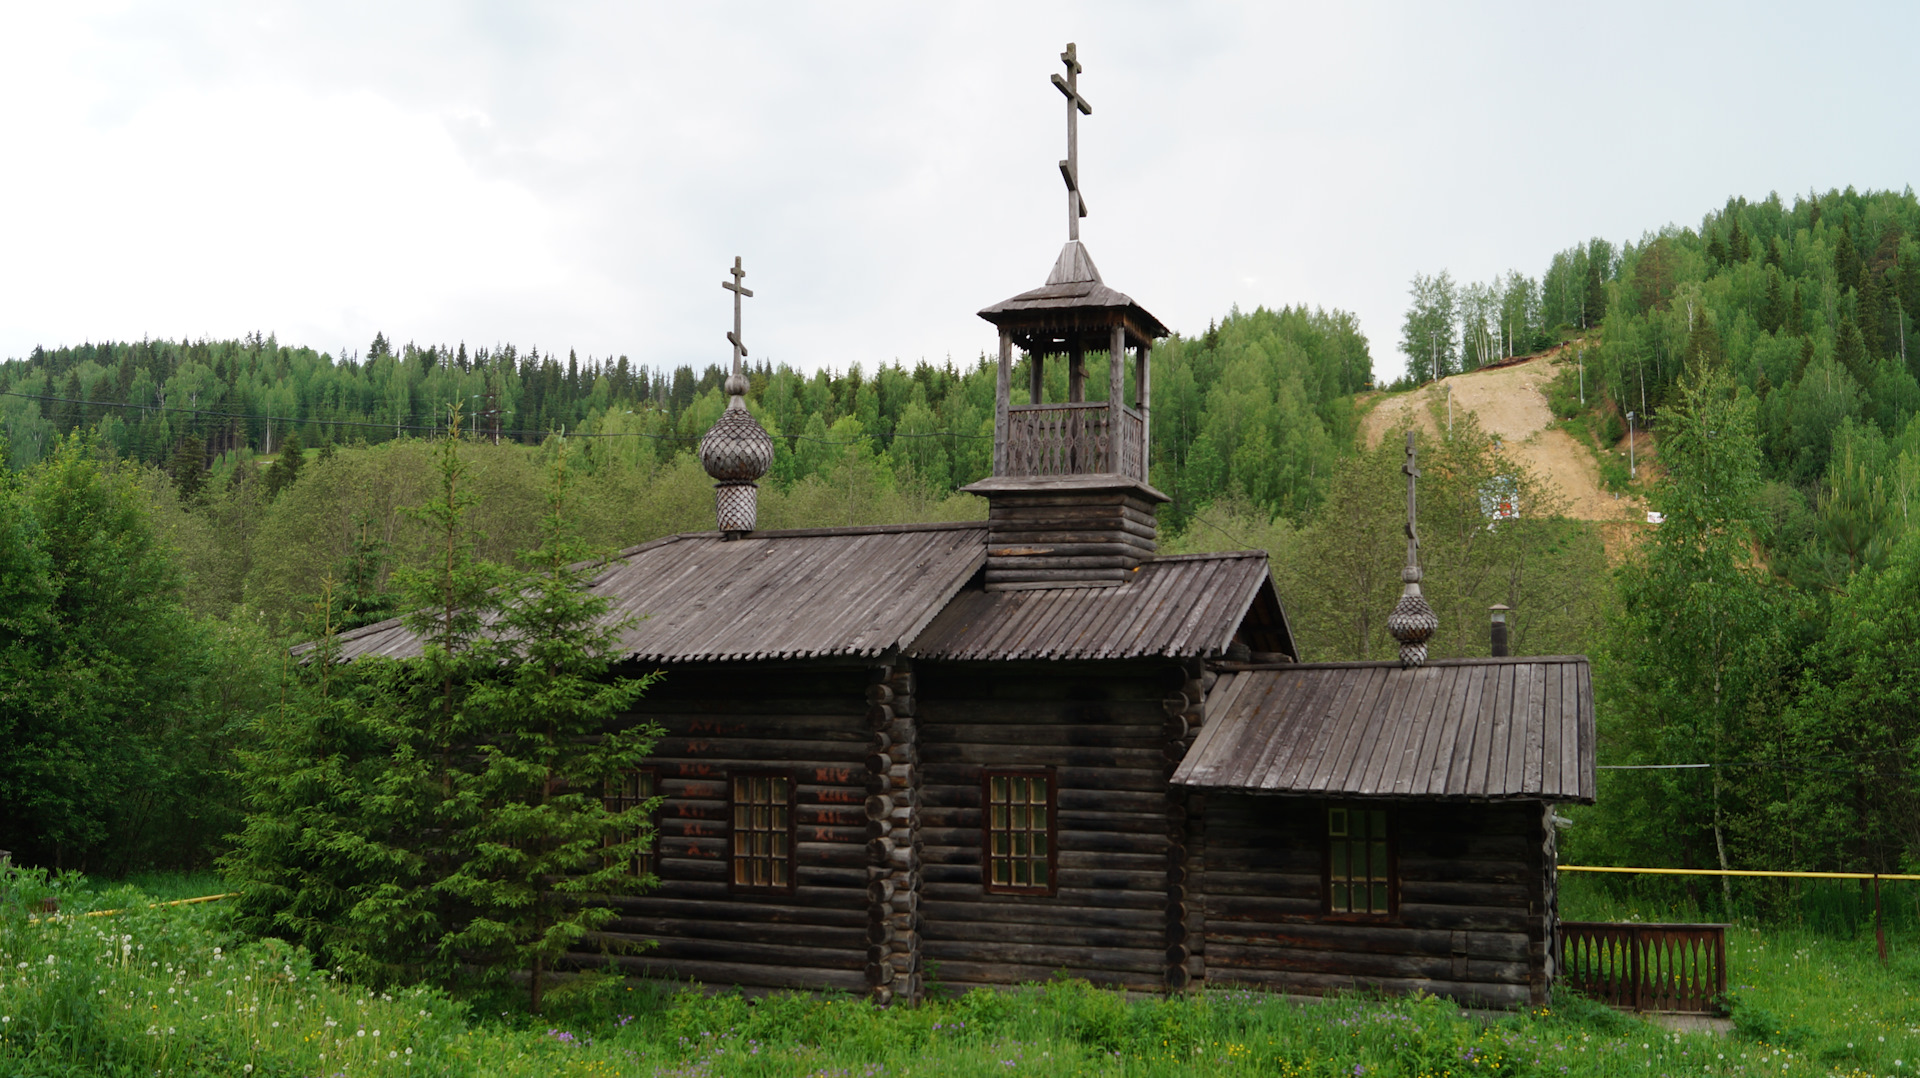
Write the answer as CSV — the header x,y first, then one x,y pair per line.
x,y
543,845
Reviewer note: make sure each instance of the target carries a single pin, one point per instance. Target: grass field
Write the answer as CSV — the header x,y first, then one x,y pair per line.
x,y
170,991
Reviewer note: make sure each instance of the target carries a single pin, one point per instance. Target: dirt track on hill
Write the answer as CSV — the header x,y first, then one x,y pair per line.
x,y
1512,402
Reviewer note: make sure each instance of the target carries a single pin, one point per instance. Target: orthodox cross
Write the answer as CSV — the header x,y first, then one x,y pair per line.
x,y
738,291
1070,168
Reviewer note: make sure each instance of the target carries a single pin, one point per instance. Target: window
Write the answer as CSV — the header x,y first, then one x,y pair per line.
x,y
1019,832
1359,861
763,830
625,791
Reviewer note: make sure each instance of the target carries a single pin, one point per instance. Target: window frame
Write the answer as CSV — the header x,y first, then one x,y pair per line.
x,y
645,860
1051,777
733,858
1327,912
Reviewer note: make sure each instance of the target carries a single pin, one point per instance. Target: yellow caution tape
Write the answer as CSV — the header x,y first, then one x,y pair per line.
x,y
150,905
1742,872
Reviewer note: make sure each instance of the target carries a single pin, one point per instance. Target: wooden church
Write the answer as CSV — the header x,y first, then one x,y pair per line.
x,y
985,753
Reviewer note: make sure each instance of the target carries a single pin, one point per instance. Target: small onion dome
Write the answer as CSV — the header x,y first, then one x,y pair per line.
x,y
1412,621
737,449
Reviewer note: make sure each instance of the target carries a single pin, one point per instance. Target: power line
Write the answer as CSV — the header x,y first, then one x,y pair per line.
x,y
435,429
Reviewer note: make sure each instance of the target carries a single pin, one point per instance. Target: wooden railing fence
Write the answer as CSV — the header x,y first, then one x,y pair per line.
x,y
1678,968
1073,439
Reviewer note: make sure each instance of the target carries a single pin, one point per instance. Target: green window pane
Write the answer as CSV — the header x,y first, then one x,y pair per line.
x,y
1040,874
1340,860
1339,902
1379,898
1337,822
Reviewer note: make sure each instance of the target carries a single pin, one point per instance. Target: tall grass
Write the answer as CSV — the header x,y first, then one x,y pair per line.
x,y
170,991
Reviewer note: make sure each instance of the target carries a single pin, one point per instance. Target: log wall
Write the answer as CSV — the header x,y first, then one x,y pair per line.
x,y
1472,919
1104,729
813,721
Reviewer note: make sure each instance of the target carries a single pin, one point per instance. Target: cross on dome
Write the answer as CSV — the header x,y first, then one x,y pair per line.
x,y
738,290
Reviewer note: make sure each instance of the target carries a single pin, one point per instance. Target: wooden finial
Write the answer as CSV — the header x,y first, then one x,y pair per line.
x,y
1412,621
1070,168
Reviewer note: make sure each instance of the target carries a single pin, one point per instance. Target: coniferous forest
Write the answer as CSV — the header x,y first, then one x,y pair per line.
x,y
175,515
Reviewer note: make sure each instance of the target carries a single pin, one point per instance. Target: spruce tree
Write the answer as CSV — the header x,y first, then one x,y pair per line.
x,y
1797,317
1737,247
1850,351
1716,252
1773,305
285,470
189,468
1873,313
1846,260
550,740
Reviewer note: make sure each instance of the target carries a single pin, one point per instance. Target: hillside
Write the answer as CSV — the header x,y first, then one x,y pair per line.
x,y
1511,402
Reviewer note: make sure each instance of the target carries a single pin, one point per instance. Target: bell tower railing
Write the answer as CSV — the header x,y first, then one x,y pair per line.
x,y
1075,438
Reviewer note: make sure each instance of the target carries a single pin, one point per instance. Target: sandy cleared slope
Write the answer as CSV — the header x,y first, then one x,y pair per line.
x,y
1511,402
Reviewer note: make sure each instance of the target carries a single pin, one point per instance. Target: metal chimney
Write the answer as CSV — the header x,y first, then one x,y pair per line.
x,y
1500,611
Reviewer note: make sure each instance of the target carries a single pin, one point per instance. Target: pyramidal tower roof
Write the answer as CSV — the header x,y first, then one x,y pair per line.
x,y
1073,303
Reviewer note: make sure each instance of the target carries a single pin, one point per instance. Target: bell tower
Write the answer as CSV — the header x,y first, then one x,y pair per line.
x,y
1069,500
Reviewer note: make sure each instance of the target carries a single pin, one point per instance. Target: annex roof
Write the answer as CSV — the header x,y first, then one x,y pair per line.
x,y
1504,728
1186,605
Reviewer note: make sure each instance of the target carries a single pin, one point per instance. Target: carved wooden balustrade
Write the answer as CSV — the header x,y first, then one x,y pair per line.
x,y
1074,439
1646,967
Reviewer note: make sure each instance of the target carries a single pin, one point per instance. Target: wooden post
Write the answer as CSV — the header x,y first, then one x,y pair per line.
x,y
1879,927
1116,402
1143,375
1036,377
1002,390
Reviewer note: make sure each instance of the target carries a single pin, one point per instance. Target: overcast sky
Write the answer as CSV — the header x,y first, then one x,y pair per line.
x,y
579,176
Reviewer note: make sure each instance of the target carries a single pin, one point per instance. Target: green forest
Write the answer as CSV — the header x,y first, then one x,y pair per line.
x,y
175,515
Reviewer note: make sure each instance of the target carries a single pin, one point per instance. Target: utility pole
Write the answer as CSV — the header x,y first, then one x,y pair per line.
x,y
1633,471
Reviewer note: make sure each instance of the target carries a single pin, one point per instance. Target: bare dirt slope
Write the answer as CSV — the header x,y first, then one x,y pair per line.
x,y
1512,402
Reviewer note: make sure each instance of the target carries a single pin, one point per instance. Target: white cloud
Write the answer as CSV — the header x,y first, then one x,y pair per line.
x,y
579,175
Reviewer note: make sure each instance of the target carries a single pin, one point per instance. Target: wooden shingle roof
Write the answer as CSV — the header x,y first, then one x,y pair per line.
x,y
1187,605
1074,306
912,589
853,592
1506,728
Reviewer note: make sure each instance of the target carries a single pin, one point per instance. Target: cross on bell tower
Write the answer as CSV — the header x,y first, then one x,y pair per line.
x,y
1070,168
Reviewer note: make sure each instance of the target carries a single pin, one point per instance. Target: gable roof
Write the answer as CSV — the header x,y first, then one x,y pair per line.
x,y
1504,728
1187,605
864,592
772,595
